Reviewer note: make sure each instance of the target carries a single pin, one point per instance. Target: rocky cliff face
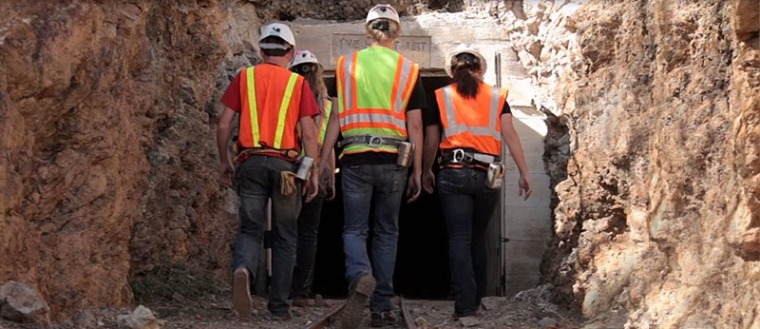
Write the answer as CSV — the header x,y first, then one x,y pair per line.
x,y
107,162
343,10
659,219
108,167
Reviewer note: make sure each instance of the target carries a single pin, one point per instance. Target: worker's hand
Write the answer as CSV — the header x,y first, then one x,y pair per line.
x,y
327,181
428,181
330,191
228,174
414,186
311,186
325,170
525,188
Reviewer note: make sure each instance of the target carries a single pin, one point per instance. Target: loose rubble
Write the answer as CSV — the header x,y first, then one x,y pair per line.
x,y
21,303
140,318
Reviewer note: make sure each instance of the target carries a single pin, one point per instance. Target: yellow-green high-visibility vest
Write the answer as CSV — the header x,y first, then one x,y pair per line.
x,y
374,88
326,112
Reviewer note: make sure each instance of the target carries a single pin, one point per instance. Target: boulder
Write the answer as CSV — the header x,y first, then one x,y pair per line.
x,y
140,318
21,303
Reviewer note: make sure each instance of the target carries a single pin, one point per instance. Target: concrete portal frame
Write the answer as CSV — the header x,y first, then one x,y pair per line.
x,y
520,231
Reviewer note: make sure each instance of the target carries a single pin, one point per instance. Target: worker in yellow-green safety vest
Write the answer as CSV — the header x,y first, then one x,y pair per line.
x,y
306,64
380,103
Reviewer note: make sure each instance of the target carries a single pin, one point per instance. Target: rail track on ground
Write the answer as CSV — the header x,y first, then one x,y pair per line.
x,y
332,319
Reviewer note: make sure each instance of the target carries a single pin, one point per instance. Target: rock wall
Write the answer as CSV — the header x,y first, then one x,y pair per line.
x,y
658,222
347,10
108,165
107,158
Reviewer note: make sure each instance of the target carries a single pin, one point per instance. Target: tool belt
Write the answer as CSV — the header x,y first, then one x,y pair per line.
x,y
288,179
466,158
405,149
371,141
247,153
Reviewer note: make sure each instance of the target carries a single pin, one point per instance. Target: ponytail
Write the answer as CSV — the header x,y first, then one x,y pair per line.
x,y
466,76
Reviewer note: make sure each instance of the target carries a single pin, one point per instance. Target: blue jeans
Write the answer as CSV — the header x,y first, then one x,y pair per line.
x,y
308,226
378,188
467,208
258,180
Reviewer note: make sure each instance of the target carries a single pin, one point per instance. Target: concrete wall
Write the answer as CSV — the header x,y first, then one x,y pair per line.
x,y
428,39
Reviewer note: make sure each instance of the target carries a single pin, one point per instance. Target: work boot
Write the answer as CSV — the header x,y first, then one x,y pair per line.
x,y
241,294
353,311
388,318
285,316
300,302
457,316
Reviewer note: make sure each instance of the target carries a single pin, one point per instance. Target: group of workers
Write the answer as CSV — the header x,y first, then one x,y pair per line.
x,y
285,156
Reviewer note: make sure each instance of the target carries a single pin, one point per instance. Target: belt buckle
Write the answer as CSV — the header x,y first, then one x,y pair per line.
x,y
375,141
458,156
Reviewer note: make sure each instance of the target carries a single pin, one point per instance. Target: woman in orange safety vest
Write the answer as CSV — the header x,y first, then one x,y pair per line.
x,y
475,117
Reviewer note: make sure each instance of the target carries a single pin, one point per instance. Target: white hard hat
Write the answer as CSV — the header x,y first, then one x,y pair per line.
x,y
279,30
383,11
302,57
465,48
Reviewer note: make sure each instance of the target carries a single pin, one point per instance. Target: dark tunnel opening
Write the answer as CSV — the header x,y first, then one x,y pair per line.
x,y
422,269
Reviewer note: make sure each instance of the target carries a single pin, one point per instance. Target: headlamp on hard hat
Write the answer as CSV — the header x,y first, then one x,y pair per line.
x,y
467,55
303,57
381,25
467,58
305,68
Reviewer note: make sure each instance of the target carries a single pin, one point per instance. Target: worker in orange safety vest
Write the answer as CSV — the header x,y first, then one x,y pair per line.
x,y
273,104
475,118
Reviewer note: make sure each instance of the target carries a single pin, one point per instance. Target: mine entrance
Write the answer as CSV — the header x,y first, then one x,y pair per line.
x,y
422,269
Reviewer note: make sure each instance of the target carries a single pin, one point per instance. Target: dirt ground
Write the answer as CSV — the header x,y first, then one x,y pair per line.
x,y
214,312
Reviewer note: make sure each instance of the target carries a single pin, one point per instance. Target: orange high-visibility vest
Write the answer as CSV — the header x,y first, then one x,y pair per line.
x,y
374,87
471,122
271,101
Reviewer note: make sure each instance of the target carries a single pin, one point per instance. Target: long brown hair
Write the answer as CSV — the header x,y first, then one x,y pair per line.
x,y
312,72
465,69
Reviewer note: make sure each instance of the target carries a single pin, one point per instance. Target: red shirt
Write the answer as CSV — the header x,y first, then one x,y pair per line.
x,y
231,99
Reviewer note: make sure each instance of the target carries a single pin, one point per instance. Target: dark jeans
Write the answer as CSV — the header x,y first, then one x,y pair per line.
x,y
308,225
259,180
379,188
467,207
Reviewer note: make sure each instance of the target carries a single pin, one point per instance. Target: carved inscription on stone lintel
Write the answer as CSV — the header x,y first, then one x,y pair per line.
x,y
416,48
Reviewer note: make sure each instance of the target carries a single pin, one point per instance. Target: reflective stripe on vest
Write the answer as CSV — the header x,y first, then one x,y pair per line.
x,y
281,124
326,112
377,104
321,125
471,134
